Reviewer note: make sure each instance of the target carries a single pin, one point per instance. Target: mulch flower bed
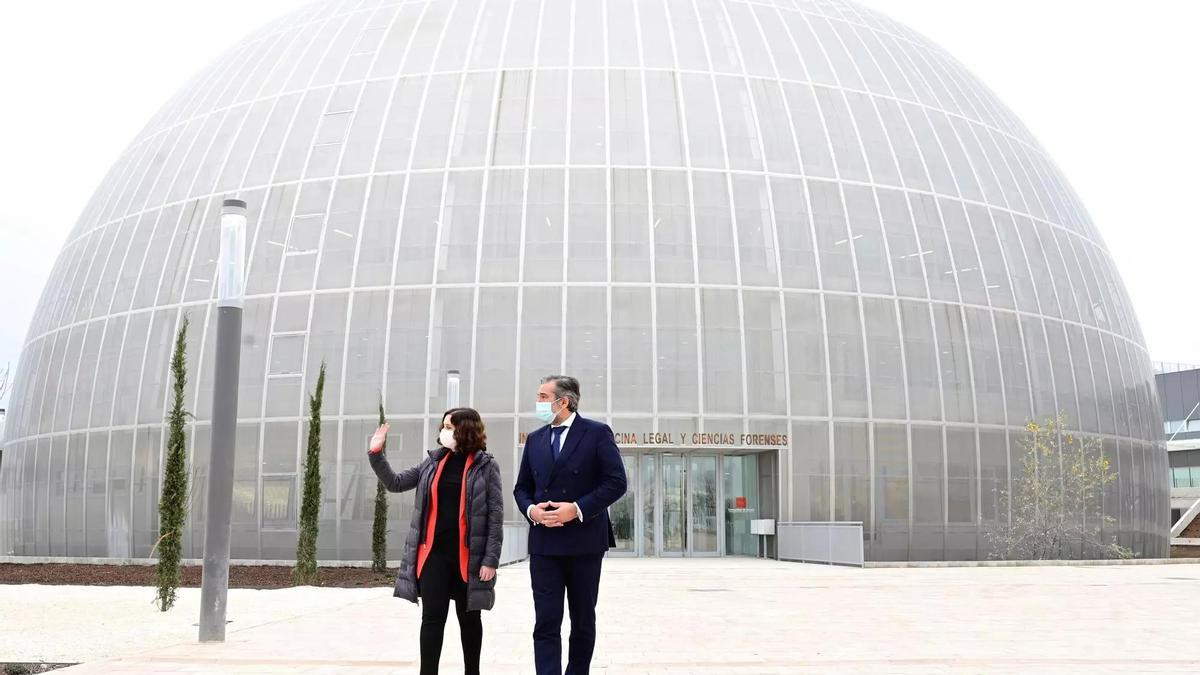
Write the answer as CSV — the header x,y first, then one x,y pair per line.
x,y
274,576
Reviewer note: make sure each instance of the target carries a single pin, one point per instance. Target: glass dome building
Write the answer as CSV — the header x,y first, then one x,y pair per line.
x,y
805,264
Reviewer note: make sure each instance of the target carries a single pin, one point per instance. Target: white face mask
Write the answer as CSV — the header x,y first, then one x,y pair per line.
x,y
446,438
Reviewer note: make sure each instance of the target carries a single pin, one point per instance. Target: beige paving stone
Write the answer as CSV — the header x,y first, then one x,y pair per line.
x,y
748,616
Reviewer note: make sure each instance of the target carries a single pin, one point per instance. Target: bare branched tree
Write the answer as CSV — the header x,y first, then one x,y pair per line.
x,y
1057,499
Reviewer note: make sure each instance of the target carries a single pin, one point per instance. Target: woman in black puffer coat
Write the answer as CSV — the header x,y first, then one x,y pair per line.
x,y
453,546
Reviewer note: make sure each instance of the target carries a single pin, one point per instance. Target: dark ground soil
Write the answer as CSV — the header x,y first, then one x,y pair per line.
x,y
143,575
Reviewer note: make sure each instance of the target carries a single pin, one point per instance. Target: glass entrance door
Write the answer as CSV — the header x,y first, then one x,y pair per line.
x,y
703,499
672,506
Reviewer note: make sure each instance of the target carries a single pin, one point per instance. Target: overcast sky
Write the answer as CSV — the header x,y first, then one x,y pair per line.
x,y
1110,89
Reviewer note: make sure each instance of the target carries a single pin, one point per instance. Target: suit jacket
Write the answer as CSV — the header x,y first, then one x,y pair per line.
x,y
589,472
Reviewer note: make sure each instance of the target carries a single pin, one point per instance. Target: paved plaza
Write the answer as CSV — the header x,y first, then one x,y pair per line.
x,y
659,616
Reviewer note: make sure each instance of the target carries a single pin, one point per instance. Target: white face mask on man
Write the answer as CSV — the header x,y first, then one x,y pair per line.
x,y
446,438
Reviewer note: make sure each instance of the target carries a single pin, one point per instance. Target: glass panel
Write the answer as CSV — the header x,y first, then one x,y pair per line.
x,y
500,258
806,354
810,471
672,227
833,240
766,372
509,145
674,505
928,536
741,136
809,130
244,542
774,125
364,360
325,344
460,227
874,275
279,502
985,365
126,385
875,142
630,226
741,504
418,229
120,468
587,223
939,268
756,234
622,512
450,342
794,232
962,474
666,144
1064,376
722,351
541,337
852,475
924,396
627,126
678,380
632,349
993,485
886,364
846,359
548,126
891,493
714,229
1040,366
649,480
469,145
96,487
1012,360
702,479
843,137
587,117
956,371
409,340
495,350
587,354
75,484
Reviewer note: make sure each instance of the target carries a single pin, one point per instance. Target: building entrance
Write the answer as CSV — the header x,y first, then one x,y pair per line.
x,y
685,504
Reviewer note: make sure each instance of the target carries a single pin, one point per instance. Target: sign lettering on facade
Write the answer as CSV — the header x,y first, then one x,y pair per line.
x,y
680,439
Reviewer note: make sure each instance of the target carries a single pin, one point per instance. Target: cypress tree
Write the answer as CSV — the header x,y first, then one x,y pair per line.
x,y
305,572
379,527
172,506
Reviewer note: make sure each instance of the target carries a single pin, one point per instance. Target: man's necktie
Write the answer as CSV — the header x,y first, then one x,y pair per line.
x,y
556,440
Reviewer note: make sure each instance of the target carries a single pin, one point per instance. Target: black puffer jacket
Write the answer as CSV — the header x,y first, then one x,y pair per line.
x,y
485,521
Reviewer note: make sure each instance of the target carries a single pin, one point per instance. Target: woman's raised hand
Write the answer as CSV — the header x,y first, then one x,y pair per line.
x,y
378,438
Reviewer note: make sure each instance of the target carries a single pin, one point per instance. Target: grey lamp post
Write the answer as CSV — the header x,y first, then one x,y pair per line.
x,y
451,389
214,587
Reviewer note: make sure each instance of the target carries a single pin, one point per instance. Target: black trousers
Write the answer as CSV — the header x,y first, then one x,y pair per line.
x,y
578,576
440,583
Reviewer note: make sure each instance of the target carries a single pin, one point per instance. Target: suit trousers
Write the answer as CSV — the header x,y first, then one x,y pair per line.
x,y
578,577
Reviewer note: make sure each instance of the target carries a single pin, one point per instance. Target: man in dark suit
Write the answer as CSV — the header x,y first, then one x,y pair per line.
x,y
571,472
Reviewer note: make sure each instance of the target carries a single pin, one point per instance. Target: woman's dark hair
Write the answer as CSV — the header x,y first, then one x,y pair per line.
x,y
469,431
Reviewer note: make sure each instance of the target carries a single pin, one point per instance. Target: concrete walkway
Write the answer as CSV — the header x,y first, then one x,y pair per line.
x,y
704,616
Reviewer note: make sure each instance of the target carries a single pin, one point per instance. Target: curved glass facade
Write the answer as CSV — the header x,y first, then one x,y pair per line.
x,y
792,229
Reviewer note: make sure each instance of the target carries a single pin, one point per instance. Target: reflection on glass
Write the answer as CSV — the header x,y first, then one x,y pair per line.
x,y
703,479
621,513
648,505
674,505
741,504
